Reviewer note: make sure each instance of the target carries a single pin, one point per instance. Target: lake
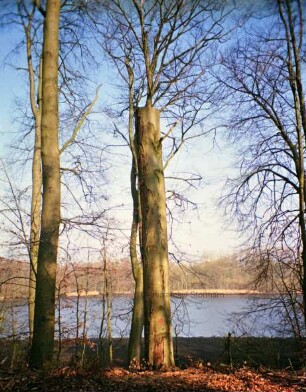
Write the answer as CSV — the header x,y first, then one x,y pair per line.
x,y
192,317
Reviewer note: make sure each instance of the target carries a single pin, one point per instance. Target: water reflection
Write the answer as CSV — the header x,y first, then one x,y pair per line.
x,y
191,317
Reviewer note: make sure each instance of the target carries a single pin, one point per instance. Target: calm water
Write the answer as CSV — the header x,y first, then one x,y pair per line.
x,y
191,317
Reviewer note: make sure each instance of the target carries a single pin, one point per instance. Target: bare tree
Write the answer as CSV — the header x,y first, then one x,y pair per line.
x,y
30,16
263,80
158,49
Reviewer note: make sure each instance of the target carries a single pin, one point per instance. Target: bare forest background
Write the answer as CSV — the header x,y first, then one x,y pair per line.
x,y
224,273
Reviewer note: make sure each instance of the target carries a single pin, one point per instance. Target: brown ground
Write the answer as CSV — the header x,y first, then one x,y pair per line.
x,y
192,379
274,353
202,367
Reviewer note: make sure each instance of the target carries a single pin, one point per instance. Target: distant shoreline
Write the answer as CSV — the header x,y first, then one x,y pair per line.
x,y
200,293
181,293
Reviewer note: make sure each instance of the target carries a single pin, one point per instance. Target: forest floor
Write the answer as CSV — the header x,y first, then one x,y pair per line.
x,y
206,379
268,365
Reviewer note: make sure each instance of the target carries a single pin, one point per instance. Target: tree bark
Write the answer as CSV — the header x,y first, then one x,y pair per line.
x,y
35,200
44,318
137,318
35,95
107,290
154,246
35,222
134,353
138,311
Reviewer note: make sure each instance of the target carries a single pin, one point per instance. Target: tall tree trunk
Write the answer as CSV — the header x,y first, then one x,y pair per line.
x,y
44,318
154,246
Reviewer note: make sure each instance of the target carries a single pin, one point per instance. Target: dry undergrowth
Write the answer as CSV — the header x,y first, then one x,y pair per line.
x,y
191,379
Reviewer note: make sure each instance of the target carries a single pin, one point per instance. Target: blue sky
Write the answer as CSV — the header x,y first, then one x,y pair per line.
x,y
11,86
204,231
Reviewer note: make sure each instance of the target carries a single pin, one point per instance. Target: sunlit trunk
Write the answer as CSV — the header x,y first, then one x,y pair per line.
x,y
44,319
154,246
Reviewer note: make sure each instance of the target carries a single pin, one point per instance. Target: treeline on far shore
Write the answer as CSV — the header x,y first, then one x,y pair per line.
x,y
224,273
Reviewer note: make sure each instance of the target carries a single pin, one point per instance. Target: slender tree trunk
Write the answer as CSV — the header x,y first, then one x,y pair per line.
x,y
44,318
107,285
59,323
302,222
304,283
84,332
137,317
154,246
302,195
35,223
138,307
300,169
100,344
35,95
